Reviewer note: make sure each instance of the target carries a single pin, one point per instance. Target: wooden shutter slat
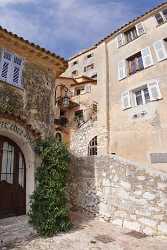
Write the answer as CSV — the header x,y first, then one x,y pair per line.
x,y
147,57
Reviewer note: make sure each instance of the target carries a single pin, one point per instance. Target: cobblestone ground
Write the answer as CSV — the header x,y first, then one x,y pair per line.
x,y
87,234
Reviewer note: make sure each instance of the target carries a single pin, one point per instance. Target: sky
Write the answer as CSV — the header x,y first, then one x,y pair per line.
x,y
68,26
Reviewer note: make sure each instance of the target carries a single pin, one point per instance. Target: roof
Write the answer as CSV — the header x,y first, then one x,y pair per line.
x,y
82,52
117,30
34,45
130,22
85,80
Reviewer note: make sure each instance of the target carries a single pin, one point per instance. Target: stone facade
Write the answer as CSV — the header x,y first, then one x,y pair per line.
x,y
121,192
26,107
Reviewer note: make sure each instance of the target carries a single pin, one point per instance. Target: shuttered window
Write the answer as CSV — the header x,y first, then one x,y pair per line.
x,y
142,95
120,40
126,100
160,50
88,88
11,68
140,29
122,70
147,57
154,90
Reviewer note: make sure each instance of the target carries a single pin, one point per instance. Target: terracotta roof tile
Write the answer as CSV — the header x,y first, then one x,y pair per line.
x,y
36,46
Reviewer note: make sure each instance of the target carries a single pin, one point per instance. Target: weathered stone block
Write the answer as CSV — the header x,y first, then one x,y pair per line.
x,y
132,225
117,222
149,196
163,228
148,222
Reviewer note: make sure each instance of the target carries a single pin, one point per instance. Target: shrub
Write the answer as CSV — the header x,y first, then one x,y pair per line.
x,y
49,213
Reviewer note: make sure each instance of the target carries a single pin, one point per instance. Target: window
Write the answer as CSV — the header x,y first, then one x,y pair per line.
x,y
130,35
80,90
79,118
89,67
160,49
74,63
94,76
140,96
75,73
11,68
161,17
58,137
90,55
92,147
135,63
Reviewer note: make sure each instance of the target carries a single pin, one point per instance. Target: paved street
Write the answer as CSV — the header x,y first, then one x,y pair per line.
x,y
87,234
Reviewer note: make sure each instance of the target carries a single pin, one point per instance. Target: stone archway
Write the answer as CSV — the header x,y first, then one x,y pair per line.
x,y
12,179
18,135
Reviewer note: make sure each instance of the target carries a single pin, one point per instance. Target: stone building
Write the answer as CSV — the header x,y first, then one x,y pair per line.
x,y
27,83
80,116
130,66
126,182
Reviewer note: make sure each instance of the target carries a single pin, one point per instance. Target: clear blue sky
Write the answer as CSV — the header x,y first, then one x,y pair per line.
x,y
68,26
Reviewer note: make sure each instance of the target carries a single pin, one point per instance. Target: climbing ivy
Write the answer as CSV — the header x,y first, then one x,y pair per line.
x,y
49,213
10,100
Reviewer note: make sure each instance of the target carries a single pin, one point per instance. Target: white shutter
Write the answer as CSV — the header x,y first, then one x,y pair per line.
x,y
160,50
88,88
120,40
140,29
154,90
147,57
126,100
16,73
5,68
122,70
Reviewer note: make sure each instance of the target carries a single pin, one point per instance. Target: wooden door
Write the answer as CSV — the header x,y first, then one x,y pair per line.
x,y
12,179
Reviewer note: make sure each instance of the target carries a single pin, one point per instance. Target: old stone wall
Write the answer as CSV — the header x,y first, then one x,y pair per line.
x,y
119,191
81,137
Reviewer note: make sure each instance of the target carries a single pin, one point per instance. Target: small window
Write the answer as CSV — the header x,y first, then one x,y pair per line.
x,y
74,63
75,73
165,14
11,68
92,147
80,90
94,76
142,96
89,67
79,118
58,137
135,63
131,34
161,17
90,55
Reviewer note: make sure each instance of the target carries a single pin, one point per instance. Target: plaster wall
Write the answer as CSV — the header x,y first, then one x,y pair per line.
x,y
133,139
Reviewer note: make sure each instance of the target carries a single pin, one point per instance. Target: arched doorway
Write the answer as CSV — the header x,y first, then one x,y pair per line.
x,y
12,179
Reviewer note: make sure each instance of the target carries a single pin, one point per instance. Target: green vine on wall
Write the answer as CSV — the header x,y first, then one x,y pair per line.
x,y
49,212
10,100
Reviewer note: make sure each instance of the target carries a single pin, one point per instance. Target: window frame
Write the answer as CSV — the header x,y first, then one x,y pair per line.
x,y
128,97
162,16
92,147
13,77
134,59
141,89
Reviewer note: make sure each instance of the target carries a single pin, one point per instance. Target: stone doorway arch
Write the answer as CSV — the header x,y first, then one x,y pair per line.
x,y
18,135
12,179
